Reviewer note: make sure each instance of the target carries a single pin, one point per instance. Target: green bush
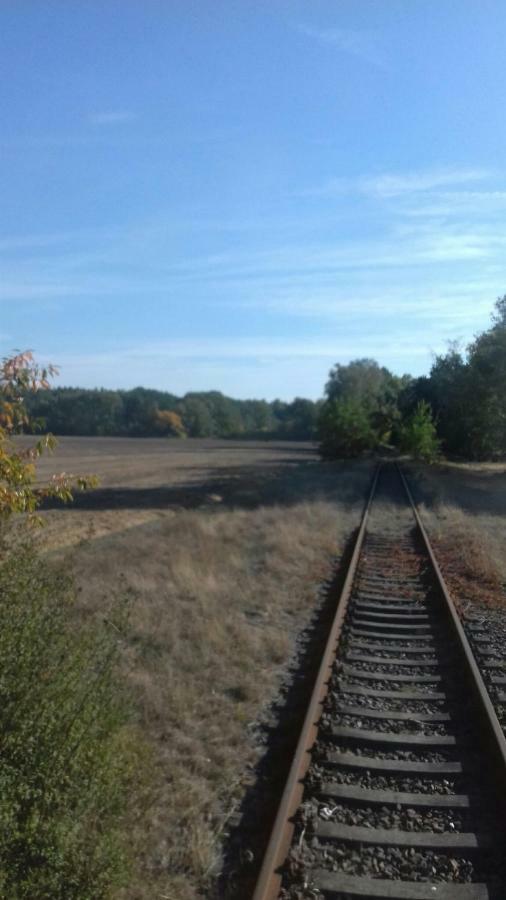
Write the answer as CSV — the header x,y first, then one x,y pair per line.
x,y
419,434
65,757
345,429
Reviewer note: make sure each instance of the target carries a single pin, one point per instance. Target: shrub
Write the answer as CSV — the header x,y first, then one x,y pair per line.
x,y
65,762
419,435
345,429
64,757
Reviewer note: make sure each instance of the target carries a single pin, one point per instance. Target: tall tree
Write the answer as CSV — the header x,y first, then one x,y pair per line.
x,y
487,375
361,409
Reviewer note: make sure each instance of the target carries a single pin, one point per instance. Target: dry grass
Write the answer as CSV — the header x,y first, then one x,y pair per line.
x,y
464,509
220,593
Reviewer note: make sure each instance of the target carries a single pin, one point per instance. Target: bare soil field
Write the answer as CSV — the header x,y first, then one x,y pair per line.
x,y
225,550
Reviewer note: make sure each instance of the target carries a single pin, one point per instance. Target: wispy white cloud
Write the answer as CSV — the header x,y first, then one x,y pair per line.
x,y
261,366
363,44
445,204
397,294
10,243
442,304
388,185
111,117
260,350
396,185
122,265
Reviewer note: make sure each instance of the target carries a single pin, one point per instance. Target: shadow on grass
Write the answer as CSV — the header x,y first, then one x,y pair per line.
x,y
249,833
243,487
474,491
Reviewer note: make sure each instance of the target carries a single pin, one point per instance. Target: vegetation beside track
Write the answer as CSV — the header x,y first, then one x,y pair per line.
x,y
459,408
66,757
463,507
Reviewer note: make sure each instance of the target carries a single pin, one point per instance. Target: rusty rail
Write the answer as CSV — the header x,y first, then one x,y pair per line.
x,y
491,725
269,881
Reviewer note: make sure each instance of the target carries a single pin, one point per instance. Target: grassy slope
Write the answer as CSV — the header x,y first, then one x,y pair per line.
x,y
221,589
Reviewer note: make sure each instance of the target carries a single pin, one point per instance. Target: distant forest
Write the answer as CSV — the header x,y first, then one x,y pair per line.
x,y
459,408
143,412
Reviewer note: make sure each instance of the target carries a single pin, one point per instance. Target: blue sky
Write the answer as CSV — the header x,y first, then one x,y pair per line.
x,y
234,195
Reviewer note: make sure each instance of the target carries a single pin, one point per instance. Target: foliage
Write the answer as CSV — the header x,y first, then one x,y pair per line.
x,y
467,391
361,381
64,766
459,408
135,413
419,434
168,423
20,376
345,429
197,417
361,411
64,762
298,420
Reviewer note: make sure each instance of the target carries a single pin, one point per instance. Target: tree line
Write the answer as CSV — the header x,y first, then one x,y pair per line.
x,y
143,412
458,409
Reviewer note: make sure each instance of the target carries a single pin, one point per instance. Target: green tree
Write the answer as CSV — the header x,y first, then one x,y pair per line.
x,y
225,413
300,420
450,393
196,416
467,392
345,429
256,416
362,408
419,434
487,376
362,381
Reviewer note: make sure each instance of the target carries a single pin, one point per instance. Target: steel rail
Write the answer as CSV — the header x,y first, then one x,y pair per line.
x,y
269,880
492,728
270,877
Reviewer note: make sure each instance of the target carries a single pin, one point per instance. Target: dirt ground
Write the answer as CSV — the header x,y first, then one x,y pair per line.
x,y
225,550
144,462
143,478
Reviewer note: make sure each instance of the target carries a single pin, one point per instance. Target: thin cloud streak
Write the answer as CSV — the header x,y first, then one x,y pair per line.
x,y
240,349
396,185
264,272
112,117
452,204
262,367
446,305
363,45
390,185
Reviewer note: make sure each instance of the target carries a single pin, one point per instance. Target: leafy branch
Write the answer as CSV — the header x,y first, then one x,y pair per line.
x,y
20,376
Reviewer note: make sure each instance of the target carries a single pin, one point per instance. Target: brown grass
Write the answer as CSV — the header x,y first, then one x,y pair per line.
x,y
220,593
464,510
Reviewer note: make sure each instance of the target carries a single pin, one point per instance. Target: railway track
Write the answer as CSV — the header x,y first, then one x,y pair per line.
x,y
398,784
